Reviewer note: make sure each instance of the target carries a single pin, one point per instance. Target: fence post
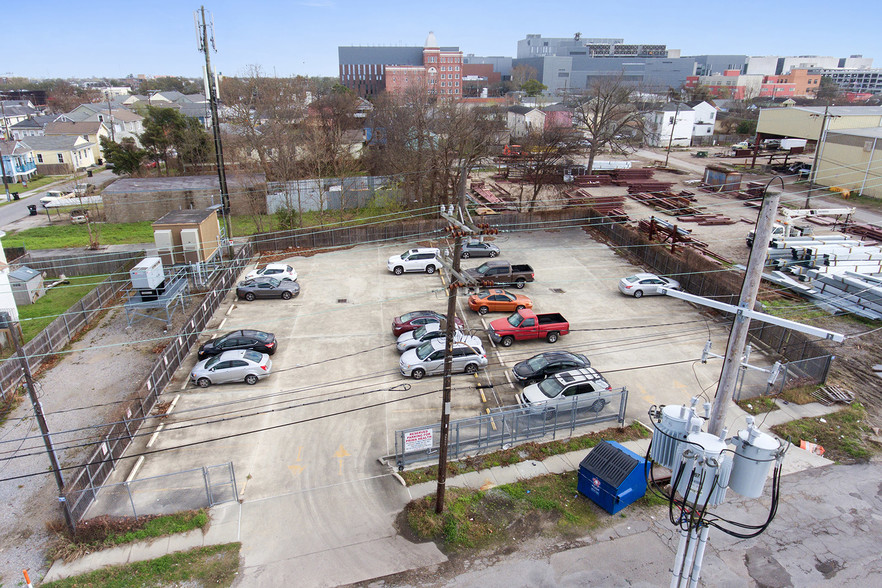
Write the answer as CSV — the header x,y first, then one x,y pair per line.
x,y
132,500
207,486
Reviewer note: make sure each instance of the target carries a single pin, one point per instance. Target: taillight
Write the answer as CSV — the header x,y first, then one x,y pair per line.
x,y
270,345
263,367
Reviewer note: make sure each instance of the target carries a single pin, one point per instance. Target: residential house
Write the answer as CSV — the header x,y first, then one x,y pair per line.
x,y
18,161
669,124
7,300
121,122
91,131
34,126
520,120
559,116
705,119
61,154
12,112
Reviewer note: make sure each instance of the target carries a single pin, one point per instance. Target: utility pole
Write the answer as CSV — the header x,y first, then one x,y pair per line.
x,y
822,135
11,151
673,128
749,289
203,43
110,111
41,420
448,354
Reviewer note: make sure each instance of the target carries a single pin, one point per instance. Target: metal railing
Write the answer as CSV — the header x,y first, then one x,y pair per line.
x,y
502,428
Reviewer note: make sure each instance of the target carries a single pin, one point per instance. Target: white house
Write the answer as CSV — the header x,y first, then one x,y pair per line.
x,y
523,119
671,124
7,300
705,119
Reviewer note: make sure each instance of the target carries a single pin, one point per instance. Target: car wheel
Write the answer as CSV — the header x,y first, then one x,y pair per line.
x,y
507,341
638,293
203,382
471,368
483,310
418,374
520,283
493,254
286,295
251,379
430,269
520,307
249,296
598,405
552,337
466,254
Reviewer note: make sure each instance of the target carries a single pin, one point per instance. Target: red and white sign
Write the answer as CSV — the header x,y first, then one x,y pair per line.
x,y
417,440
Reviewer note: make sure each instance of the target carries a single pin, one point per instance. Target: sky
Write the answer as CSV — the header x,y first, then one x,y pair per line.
x,y
290,37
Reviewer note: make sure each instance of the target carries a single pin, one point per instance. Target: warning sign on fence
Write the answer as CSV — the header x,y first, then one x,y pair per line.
x,y
417,440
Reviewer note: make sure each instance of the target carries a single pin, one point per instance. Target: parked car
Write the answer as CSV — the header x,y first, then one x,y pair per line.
x,y
259,341
279,271
428,359
501,273
267,288
418,318
562,386
424,259
646,285
420,335
525,324
497,300
546,364
479,249
241,365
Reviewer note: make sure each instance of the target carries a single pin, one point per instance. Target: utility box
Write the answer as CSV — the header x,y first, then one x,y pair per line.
x,y
722,179
148,274
612,476
165,245
190,245
193,236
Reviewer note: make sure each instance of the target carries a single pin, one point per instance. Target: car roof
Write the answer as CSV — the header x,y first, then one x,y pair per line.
x,y
234,354
555,355
424,250
440,343
579,376
276,266
644,275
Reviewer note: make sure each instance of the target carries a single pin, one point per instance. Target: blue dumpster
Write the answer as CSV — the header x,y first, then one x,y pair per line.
x,y
612,476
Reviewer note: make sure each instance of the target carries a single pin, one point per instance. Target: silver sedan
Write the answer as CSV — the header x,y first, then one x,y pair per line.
x,y
646,285
241,365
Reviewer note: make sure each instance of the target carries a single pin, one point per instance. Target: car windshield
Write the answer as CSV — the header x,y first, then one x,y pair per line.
x,y
483,294
211,362
274,283
260,271
537,363
483,269
260,335
419,332
550,387
424,350
405,255
253,356
631,279
406,318
515,319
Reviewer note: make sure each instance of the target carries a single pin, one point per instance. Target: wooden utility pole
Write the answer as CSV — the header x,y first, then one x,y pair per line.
x,y
813,173
749,289
41,421
671,140
448,355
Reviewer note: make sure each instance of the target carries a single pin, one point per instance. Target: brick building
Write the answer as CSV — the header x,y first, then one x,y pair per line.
x,y
372,70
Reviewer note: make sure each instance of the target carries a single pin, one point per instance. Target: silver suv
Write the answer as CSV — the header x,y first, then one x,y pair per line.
x,y
423,259
563,386
428,359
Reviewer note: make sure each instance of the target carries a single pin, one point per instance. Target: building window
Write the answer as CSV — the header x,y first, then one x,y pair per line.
x,y
39,158
60,158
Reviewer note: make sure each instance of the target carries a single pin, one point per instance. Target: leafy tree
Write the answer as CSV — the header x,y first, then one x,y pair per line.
x,y
125,156
171,84
608,116
746,127
533,87
828,90
167,131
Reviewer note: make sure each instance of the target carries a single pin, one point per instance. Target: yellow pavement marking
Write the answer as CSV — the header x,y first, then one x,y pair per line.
x,y
296,469
340,454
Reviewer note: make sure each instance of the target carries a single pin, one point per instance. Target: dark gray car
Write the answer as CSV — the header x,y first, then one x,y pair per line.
x,y
479,249
267,288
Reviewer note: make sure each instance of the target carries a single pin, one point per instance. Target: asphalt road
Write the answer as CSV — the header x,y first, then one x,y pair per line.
x,y
18,209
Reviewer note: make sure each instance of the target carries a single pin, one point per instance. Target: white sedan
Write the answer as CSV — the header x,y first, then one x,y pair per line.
x,y
646,285
279,271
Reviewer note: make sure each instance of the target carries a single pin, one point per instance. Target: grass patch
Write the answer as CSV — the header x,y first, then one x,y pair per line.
x,y
527,452
843,434
65,235
757,405
215,565
795,310
105,532
35,317
8,403
37,182
475,519
800,394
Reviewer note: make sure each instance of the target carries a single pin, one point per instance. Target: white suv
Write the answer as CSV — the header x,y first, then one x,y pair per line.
x,y
428,358
586,383
424,259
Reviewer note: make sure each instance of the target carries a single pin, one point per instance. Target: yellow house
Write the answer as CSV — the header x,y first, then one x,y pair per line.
x,y
91,131
804,122
852,159
61,154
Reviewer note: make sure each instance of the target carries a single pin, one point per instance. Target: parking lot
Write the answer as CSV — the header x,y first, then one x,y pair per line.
x,y
305,442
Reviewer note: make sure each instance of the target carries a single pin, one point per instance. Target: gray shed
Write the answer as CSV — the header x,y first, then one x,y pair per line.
x,y
27,285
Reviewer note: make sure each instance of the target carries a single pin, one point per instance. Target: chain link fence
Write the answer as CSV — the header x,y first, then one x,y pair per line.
x,y
502,428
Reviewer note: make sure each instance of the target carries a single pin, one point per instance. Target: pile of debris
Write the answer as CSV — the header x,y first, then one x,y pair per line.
x,y
491,196
611,206
668,202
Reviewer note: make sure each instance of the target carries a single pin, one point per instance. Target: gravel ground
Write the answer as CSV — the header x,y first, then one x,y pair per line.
x,y
104,367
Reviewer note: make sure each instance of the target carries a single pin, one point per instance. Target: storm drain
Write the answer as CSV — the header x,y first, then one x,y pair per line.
x,y
342,301
557,290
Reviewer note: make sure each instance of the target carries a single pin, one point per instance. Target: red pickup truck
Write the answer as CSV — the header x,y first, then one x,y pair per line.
x,y
526,324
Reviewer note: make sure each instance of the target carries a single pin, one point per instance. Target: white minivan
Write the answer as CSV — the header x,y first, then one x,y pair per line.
x,y
423,259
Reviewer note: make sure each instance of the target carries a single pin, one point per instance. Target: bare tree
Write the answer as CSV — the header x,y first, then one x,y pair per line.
x,y
548,150
608,115
520,74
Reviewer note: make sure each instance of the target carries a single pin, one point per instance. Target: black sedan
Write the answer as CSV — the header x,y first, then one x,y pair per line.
x,y
259,341
267,288
545,364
